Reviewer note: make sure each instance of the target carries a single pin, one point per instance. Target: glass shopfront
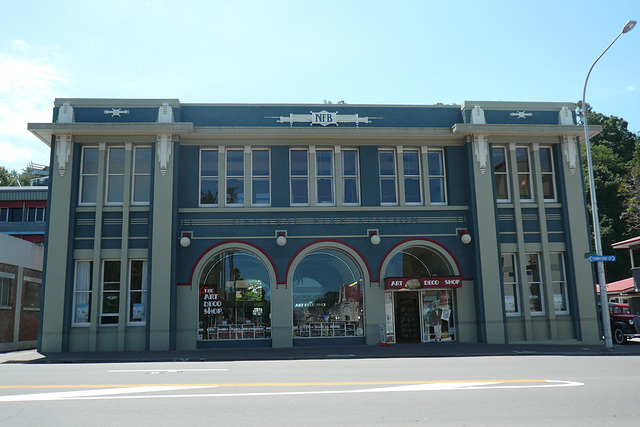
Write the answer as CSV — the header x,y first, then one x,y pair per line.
x,y
327,296
419,297
234,298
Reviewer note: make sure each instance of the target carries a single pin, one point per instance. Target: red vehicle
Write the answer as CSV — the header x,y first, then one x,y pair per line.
x,y
624,324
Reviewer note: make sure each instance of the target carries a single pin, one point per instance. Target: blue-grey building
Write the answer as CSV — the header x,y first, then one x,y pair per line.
x,y
184,226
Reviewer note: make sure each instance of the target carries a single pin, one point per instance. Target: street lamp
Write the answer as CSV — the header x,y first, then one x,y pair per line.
x,y
604,303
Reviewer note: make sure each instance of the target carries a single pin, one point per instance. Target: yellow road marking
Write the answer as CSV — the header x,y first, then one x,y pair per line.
x,y
305,384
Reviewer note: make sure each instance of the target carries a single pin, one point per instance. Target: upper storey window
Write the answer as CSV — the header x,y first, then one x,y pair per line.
x,y
437,181
546,170
412,179
260,178
299,173
142,163
524,174
89,176
235,177
387,162
324,177
115,175
350,178
500,173
209,178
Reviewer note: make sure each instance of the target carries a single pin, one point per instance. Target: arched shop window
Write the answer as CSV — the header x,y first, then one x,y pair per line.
x,y
327,296
418,261
235,298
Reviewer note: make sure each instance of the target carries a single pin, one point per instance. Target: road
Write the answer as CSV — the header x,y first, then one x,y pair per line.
x,y
470,391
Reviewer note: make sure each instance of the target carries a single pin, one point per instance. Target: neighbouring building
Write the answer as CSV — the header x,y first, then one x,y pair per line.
x,y
188,226
20,282
23,212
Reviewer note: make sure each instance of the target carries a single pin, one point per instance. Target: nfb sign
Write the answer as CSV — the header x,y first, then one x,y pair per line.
x,y
400,283
324,118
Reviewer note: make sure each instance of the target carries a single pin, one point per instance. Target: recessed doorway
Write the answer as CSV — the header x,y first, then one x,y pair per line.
x,y
407,316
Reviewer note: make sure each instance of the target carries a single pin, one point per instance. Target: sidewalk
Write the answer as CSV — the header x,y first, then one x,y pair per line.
x,y
453,349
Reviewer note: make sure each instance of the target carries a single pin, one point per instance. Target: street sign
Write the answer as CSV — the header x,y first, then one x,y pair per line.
x,y
588,254
602,258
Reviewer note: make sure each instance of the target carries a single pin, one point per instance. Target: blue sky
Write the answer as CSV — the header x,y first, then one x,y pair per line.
x,y
362,52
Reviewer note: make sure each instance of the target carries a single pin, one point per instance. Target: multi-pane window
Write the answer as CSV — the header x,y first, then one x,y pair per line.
x,y
142,162
138,279
350,178
524,174
546,170
387,164
412,180
324,177
31,294
36,214
510,283
4,291
500,173
299,164
559,283
82,293
260,178
110,308
209,177
437,188
89,176
115,175
4,214
536,304
235,177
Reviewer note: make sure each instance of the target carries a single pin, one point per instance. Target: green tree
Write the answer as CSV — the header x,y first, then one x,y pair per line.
x,y
615,157
13,178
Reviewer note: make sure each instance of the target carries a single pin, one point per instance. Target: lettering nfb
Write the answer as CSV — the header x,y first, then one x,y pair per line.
x,y
324,118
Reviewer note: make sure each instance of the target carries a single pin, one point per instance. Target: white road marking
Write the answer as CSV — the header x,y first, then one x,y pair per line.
x,y
128,392
172,371
101,393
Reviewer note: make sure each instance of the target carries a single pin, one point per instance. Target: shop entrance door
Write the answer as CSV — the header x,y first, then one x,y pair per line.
x,y
407,316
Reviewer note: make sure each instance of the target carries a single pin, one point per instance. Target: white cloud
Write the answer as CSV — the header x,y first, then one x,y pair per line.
x,y
630,88
27,90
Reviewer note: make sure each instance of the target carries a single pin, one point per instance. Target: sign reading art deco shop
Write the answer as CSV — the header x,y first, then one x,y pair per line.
x,y
401,283
323,118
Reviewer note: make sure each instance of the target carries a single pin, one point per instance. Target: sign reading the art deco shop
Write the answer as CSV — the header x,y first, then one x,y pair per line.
x,y
400,283
323,118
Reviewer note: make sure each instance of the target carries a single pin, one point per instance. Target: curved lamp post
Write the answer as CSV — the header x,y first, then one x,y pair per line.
x,y
604,303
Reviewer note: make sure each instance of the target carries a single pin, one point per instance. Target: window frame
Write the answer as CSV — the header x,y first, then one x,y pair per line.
x,y
5,296
388,177
550,173
506,173
355,177
216,177
407,176
143,291
293,177
513,284
527,174
110,175
561,283
135,174
442,177
538,284
228,177
39,215
261,178
77,292
83,175
331,177
103,293
31,286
